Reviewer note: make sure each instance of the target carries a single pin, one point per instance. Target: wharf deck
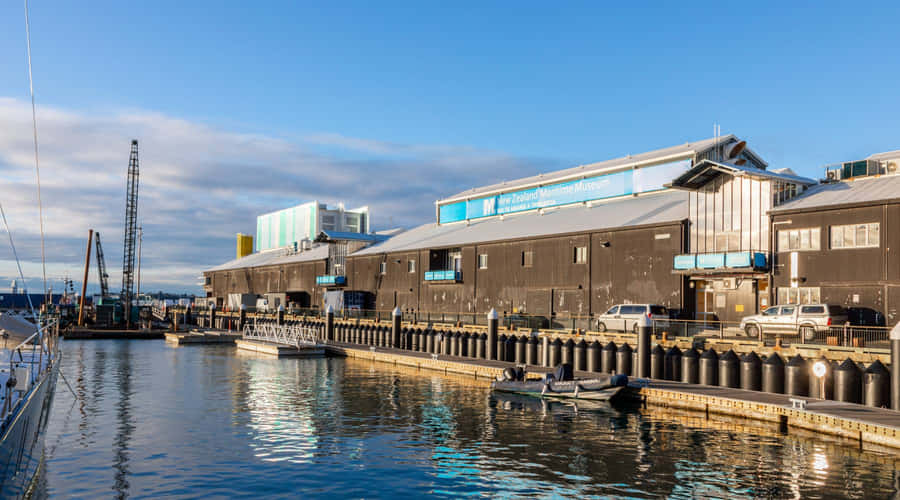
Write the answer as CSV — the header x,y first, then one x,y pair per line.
x,y
281,350
202,337
91,334
867,425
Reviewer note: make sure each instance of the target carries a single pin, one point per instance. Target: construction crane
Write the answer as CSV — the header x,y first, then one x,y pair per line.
x,y
131,208
101,268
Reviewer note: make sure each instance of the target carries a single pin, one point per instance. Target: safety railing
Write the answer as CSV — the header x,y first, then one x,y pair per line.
x,y
28,362
292,335
789,333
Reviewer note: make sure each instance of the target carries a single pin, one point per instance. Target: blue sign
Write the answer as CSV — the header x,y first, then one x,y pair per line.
x,y
593,188
331,280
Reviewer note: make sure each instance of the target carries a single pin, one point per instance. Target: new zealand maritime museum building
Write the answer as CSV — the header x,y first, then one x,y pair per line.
x,y
706,229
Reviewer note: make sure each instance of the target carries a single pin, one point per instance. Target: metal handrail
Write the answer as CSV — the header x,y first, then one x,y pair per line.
x,y
291,335
46,342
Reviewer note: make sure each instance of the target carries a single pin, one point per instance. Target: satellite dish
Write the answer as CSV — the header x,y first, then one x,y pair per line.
x,y
892,167
733,150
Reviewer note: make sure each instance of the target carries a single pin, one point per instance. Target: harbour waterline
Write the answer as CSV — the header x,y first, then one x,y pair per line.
x,y
154,420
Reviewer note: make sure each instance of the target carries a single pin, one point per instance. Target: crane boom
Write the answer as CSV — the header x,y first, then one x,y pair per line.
x,y
101,268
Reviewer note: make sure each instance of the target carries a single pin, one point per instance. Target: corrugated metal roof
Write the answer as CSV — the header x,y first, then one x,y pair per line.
x,y
861,190
888,155
683,150
273,257
347,236
707,170
655,208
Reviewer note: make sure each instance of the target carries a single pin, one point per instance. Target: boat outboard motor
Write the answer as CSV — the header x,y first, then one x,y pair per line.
x,y
520,374
510,374
563,371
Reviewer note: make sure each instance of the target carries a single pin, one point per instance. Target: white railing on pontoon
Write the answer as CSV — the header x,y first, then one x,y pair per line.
x,y
292,335
28,361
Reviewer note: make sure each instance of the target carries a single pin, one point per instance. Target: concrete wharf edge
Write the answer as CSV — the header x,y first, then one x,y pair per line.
x,y
864,424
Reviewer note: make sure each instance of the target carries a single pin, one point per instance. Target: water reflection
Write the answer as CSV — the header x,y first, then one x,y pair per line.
x,y
278,401
158,421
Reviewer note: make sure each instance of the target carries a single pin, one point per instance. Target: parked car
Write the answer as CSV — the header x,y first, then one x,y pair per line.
x,y
798,319
624,317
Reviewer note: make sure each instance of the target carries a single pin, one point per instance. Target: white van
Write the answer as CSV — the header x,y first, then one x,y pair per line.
x,y
624,317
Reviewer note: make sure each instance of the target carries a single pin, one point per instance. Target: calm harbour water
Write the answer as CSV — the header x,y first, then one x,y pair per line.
x,y
208,421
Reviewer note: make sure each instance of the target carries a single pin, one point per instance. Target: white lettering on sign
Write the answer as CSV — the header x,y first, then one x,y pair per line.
x,y
662,236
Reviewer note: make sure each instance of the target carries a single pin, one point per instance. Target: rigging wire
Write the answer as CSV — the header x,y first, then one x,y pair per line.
x,y
37,163
18,264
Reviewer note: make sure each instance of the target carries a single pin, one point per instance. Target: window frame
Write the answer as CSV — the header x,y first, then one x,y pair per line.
x,y
842,233
528,258
482,261
785,238
411,266
580,255
382,269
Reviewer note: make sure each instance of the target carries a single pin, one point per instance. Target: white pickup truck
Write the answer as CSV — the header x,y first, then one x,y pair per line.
x,y
797,319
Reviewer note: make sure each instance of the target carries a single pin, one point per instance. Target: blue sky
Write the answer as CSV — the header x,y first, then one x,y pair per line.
x,y
430,97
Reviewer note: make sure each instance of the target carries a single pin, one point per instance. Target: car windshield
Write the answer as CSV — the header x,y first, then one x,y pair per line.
x,y
772,311
613,310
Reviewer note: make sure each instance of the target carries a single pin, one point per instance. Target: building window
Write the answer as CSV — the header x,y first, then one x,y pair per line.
x,y
527,258
482,261
351,223
799,295
855,236
411,265
328,222
383,268
790,240
580,255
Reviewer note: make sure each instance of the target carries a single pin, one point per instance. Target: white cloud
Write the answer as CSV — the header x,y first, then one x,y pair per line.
x,y
200,185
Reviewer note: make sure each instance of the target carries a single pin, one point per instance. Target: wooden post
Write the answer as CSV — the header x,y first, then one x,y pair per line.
x,y
87,265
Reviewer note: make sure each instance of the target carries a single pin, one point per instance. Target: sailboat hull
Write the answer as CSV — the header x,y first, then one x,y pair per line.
x,y
22,441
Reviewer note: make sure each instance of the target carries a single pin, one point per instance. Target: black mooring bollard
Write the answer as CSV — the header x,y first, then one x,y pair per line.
x,y
472,349
608,358
531,354
624,356
414,335
396,319
877,385
464,344
500,348
847,382
580,356
729,370
773,374
242,317
709,367
491,341
212,315
796,377
657,362
511,342
643,347
555,348
672,369
429,341
821,387
329,324
521,347
454,343
593,356
567,352
481,347
690,366
751,372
